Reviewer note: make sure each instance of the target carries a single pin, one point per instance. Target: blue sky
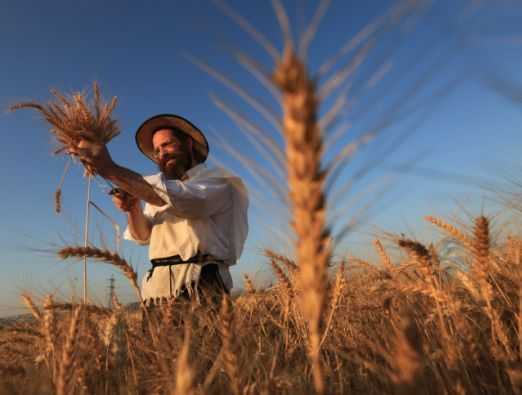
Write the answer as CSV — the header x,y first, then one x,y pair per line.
x,y
453,124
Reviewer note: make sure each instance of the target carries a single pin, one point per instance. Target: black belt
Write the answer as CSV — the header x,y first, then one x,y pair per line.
x,y
177,260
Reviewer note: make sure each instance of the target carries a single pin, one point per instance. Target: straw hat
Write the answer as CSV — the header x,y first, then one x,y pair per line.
x,y
179,125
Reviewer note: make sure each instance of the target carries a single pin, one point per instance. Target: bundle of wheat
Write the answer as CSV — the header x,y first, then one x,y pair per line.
x,y
72,117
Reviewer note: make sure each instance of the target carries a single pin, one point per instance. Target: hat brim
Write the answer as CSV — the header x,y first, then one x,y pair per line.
x,y
179,125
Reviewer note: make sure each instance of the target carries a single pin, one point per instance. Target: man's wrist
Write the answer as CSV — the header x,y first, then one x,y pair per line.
x,y
108,170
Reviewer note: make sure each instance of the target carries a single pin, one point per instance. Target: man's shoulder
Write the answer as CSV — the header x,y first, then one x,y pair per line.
x,y
215,172
220,175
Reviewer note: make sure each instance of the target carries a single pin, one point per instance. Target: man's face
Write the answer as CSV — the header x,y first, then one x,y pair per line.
x,y
171,153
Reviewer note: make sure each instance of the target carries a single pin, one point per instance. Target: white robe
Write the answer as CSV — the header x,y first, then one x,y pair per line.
x,y
205,213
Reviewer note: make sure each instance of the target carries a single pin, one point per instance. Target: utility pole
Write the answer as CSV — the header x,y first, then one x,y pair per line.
x,y
112,288
86,236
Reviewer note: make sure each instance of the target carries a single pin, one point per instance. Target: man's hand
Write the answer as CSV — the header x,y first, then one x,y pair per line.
x,y
95,156
124,201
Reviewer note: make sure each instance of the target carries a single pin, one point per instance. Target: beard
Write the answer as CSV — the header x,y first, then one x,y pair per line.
x,y
173,170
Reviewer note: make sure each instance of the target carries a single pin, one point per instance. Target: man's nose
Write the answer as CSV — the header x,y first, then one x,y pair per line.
x,y
162,151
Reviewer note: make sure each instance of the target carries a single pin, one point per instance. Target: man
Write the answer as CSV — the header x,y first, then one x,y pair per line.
x,y
194,219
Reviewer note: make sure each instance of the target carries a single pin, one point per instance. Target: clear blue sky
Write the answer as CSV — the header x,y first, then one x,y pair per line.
x,y
135,50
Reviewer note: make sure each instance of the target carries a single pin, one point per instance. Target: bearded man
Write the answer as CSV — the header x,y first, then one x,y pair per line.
x,y
194,218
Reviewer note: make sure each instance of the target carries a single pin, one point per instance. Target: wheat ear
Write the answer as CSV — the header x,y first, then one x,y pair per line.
x,y
284,281
249,284
227,352
481,242
28,301
287,262
111,258
58,192
340,283
66,362
416,250
49,331
452,231
306,183
385,259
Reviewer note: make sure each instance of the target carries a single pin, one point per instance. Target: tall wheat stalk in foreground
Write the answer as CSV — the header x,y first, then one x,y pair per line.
x,y
306,190
295,89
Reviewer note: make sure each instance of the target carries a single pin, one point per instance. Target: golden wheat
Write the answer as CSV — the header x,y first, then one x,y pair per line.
x,y
65,369
228,355
111,258
481,241
306,190
452,231
72,117
249,284
28,301
385,259
288,263
408,360
184,373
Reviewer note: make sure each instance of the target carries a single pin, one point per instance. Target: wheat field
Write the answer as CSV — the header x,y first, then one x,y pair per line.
x,y
419,324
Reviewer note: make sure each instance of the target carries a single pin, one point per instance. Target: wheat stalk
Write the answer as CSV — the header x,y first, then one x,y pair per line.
x,y
184,372
339,286
111,258
228,357
287,291
110,326
284,281
287,262
28,301
452,231
407,360
417,251
306,190
58,192
65,370
481,242
249,284
58,201
385,259
49,331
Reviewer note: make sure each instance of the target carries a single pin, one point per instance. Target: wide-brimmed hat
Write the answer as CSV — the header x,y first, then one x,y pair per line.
x,y
177,124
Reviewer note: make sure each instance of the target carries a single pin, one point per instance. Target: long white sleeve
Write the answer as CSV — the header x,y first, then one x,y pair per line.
x,y
197,198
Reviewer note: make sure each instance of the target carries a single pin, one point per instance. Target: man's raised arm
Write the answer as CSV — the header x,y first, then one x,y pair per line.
x,y
97,156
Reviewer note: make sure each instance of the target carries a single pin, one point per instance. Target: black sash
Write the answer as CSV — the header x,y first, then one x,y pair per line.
x,y
177,260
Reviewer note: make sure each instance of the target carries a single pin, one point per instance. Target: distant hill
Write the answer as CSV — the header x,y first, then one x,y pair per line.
x,y
17,319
